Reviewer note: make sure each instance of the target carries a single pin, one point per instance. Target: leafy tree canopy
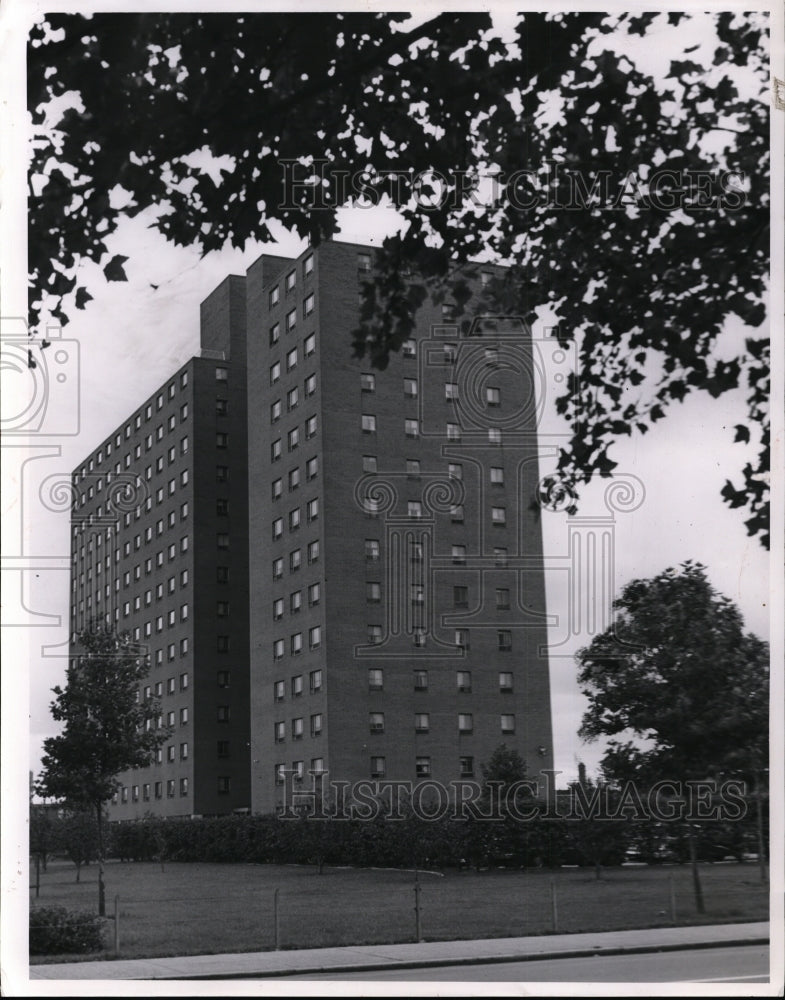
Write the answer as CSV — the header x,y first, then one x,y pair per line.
x,y
678,671
108,729
636,213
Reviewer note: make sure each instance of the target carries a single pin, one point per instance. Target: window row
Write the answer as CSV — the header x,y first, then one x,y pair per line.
x,y
410,388
296,642
292,398
291,359
157,789
454,469
292,439
295,559
297,770
463,681
422,723
296,601
422,766
297,728
294,478
297,686
294,518
411,428
156,690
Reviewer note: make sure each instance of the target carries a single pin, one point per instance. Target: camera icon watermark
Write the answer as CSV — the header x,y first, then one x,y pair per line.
x,y
41,385
497,375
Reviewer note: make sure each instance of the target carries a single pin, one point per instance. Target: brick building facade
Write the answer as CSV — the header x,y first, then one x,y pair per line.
x,y
364,562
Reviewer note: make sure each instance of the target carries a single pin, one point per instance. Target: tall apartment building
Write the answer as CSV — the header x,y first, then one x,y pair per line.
x,y
357,551
397,619
160,549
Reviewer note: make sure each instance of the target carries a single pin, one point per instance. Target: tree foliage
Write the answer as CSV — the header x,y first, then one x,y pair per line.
x,y
190,117
678,671
108,728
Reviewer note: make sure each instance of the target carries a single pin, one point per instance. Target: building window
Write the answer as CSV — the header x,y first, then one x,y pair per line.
x,y
508,724
453,432
419,636
296,643
450,391
277,532
455,470
183,716
463,680
409,349
465,722
368,423
315,681
493,396
411,428
373,592
313,552
312,509
222,574
466,766
372,549
312,468
274,296
422,767
222,748
308,265
170,788
223,643
291,281
309,346
275,333
497,475
375,678
313,594
308,303
278,649
277,568
499,515
460,597
292,398
417,592
183,787
280,772
410,387
367,382
275,452
275,411
183,751
316,724
459,555
450,353
293,438
376,722
278,609
414,508
494,435
295,601
224,785
416,552
294,519
505,682
462,638
297,686
275,372
504,641
310,385
502,599
315,637
317,765
294,479
364,263
279,691
420,680
369,463
378,767
297,729
500,556
291,320
422,722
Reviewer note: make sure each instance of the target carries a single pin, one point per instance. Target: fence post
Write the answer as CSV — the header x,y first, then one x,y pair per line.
x,y
672,890
554,907
117,927
275,921
417,913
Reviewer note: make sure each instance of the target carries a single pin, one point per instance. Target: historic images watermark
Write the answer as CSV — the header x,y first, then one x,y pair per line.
x,y
523,801
318,185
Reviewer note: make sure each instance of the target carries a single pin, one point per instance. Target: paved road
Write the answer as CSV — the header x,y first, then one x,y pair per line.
x,y
742,964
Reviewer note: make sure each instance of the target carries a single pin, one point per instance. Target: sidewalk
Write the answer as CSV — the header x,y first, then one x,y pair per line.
x,y
261,964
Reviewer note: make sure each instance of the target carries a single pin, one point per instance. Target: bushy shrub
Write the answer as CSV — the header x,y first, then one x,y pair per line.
x,y
54,930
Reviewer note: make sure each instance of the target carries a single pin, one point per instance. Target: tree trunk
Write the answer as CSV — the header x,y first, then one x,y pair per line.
x,y
78,871
99,814
696,879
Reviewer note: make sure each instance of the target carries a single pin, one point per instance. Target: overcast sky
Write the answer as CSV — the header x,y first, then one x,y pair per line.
x,y
133,336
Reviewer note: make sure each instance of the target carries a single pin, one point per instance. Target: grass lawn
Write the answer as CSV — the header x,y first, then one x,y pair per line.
x,y
191,909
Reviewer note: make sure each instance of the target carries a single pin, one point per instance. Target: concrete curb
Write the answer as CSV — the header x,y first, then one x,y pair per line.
x,y
432,963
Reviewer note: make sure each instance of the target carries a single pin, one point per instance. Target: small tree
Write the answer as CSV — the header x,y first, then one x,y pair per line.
x,y
77,837
678,671
108,728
